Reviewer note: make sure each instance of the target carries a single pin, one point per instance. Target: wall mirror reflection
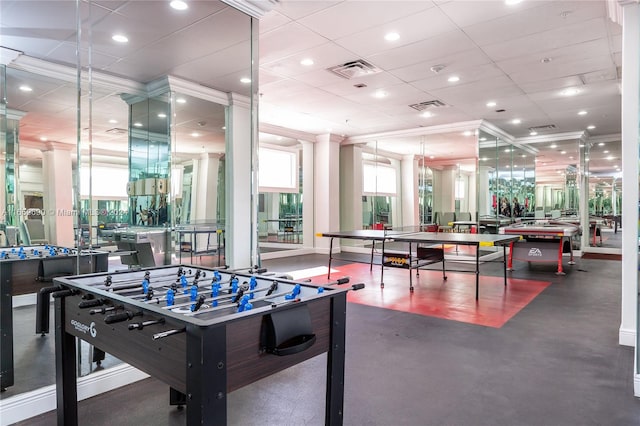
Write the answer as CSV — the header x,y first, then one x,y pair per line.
x,y
280,183
146,155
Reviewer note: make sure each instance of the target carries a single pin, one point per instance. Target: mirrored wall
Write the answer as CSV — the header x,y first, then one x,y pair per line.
x,y
124,138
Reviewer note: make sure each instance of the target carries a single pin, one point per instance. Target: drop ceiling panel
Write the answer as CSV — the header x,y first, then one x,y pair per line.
x,y
467,13
536,44
272,20
344,87
478,91
324,56
467,76
340,20
207,68
299,9
410,29
46,19
398,95
535,20
556,57
287,40
587,65
167,20
426,50
66,53
453,63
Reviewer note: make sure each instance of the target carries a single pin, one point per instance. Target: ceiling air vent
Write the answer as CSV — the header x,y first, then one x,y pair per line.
x,y
542,128
117,131
354,69
428,104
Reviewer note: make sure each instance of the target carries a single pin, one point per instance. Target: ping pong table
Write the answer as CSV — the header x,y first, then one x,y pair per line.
x,y
421,240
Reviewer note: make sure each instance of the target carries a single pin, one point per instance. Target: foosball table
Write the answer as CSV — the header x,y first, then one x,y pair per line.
x,y
204,332
29,269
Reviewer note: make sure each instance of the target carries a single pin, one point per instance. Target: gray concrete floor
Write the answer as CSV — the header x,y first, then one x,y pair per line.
x,y
557,362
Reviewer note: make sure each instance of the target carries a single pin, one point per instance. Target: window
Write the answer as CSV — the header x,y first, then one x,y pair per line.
x,y
378,179
278,170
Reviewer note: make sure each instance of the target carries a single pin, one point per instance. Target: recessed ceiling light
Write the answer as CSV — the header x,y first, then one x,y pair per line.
x,y
195,134
137,124
392,36
591,127
610,158
571,91
583,112
586,159
432,157
306,62
523,156
491,104
516,121
468,133
113,121
601,144
44,138
606,151
581,145
507,150
25,88
533,133
563,152
245,80
453,79
571,157
554,146
162,115
512,2
380,94
120,38
483,139
181,100
179,5
426,114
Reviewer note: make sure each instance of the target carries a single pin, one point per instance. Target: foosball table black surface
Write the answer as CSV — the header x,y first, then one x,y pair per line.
x,y
203,345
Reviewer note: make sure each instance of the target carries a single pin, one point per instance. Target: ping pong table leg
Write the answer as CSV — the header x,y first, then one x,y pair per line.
x,y
477,269
373,248
381,264
444,269
504,263
571,261
330,254
560,272
510,260
410,273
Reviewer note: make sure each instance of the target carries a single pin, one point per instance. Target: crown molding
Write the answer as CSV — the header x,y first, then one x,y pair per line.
x,y
418,131
238,100
287,133
253,8
70,75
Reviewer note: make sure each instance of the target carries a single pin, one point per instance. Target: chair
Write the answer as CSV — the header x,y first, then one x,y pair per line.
x,y
34,232
444,220
463,216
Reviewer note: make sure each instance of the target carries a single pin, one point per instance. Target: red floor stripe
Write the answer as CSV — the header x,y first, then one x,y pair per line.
x,y
452,299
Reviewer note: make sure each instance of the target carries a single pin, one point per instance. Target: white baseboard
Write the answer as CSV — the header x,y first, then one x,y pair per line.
x,y
39,401
627,337
24,300
286,253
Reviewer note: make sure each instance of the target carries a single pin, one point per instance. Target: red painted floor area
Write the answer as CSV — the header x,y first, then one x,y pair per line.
x,y
453,299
